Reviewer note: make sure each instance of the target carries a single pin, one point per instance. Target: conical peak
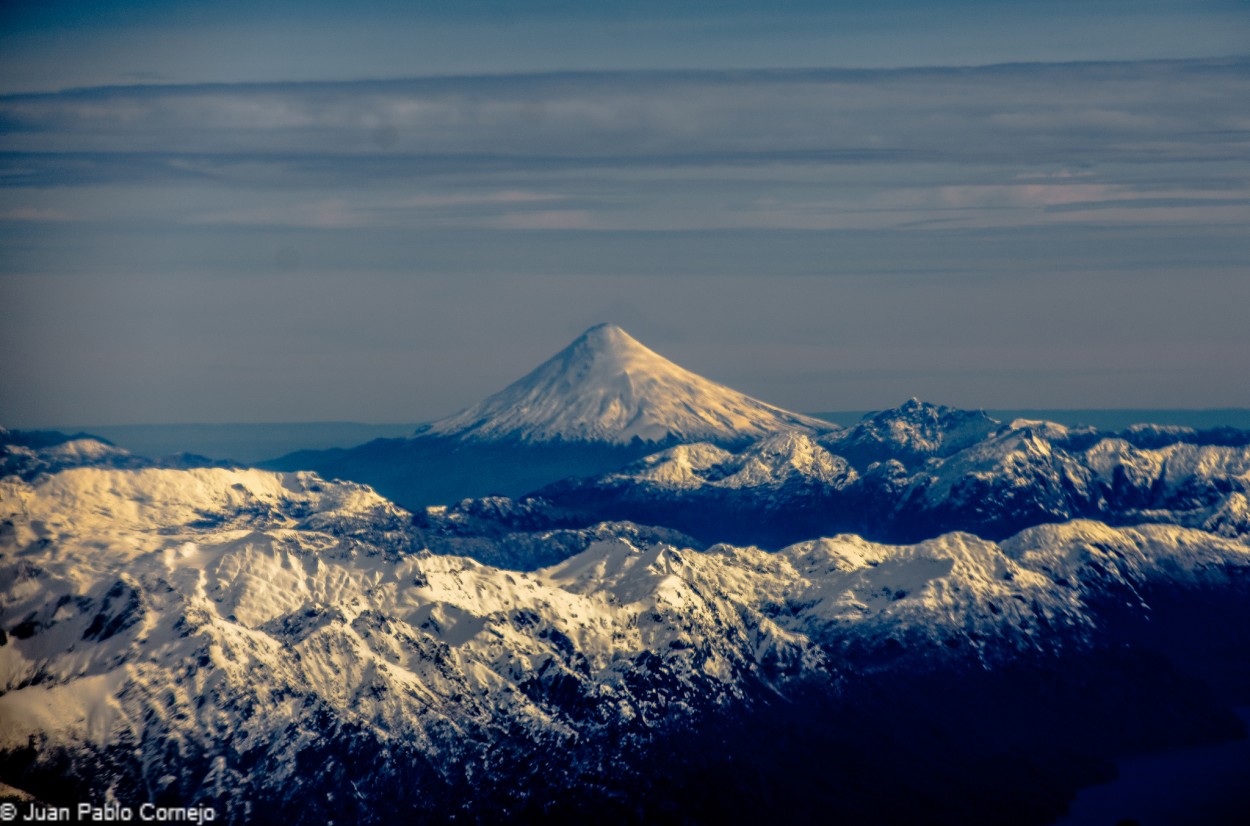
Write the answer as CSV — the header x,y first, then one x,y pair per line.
x,y
607,338
608,347
605,331
607,387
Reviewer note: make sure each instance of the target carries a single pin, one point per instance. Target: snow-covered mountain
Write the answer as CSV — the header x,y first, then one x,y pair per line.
x,y
286,648
910,433
607,387
918,471
280,646
600,403
29,454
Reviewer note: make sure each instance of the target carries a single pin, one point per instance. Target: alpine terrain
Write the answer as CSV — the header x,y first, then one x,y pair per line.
x,y
737,614
599,403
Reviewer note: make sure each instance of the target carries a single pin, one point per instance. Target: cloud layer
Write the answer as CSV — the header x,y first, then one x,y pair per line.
x,y
782,149
1007,236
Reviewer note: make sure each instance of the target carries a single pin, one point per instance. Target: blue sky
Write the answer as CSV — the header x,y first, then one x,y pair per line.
x,y
53,45
223,212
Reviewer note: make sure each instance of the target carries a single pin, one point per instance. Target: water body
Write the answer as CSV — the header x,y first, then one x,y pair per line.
x,y
1207,785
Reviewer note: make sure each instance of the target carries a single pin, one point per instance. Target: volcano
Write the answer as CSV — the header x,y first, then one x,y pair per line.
x,y
606,387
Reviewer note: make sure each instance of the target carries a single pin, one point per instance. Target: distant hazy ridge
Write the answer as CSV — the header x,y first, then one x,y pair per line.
x,y
256,442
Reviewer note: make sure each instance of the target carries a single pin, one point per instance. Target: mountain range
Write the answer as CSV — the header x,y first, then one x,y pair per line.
x,y
928,617
601,402
920,470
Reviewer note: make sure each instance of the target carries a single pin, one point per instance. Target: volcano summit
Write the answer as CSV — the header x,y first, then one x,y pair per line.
x,y
607,387
601,402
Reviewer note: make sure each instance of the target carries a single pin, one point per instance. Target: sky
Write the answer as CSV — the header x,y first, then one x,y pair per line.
x,y
383,211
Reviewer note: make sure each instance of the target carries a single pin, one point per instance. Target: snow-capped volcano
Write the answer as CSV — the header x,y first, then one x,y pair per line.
x,y
607,387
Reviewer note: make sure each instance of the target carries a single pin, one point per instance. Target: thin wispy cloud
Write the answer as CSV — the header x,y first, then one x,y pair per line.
x,y
39,214
945,146
916,223
367,210
1138,112
60,44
